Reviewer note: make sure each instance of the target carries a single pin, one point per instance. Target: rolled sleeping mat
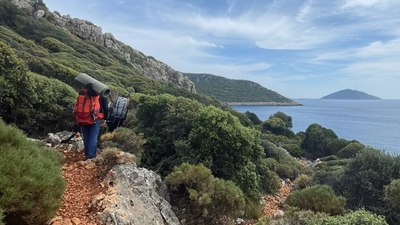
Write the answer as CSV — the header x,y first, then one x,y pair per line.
x,y
99,87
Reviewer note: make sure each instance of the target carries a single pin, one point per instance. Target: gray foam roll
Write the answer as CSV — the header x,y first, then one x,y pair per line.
x,y
99,87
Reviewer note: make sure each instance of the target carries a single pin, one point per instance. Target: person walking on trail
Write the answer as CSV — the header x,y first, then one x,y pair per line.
x,y
90,111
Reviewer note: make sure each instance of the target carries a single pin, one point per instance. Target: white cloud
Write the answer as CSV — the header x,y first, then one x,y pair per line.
x,y
231,4
194,42
389,49
266,31
377,69
304,11
375,4
361,3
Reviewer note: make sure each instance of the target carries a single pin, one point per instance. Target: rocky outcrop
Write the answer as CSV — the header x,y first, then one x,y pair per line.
x,y
129,195
25,4
136,196
149,66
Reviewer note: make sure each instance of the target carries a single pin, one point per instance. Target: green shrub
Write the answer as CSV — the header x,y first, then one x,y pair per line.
x,y
253,118
392,194
271,164
269,180
276,126
302,182
364,179
316,141
318,198
287,171
55,45
164,119
294,216
206,199
42,106
31,184
285,118
231,150
336,145
351,150
125,139
1,217
253,208
392,198
359,217
293,149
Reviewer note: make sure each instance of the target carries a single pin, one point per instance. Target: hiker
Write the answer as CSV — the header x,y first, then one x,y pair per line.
x,y
91,110
117,113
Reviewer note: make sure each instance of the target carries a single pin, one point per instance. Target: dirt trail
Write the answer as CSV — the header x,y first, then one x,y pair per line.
x,y
272,202
82,185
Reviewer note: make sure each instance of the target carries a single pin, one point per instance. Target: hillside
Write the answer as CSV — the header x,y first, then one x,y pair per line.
x,y
237,91
349,94
61,47
43,52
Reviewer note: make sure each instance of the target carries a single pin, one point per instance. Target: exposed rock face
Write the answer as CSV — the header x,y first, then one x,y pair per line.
x,y
39,13
136,196
25,4
149,66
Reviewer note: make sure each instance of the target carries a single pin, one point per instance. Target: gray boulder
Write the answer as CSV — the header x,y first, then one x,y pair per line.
x,y
136,196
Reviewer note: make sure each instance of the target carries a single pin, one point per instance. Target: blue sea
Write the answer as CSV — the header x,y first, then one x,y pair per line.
x,y
375,123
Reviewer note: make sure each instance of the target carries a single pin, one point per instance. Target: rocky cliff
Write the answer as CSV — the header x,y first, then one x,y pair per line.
x,y
149,66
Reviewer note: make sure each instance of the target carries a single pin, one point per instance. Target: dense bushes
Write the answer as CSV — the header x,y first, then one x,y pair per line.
x,y
363,180
31,185
207,199
269,180
351,150
392,199
1,217
359,217
279,161
316,141
163,120
392,194
55,45
318,198
229,149
302,182
125,139
42,106
279,124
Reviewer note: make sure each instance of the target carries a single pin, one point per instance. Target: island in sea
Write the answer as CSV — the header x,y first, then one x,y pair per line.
x,y
238,92
350,94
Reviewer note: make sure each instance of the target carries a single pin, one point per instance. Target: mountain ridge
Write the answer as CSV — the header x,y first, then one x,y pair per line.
x,y
237,92
147,65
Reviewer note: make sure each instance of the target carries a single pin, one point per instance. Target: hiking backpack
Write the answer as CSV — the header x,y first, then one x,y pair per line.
x,y
121,108
87,109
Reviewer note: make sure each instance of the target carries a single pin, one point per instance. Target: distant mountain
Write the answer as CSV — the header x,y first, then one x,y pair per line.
x,y
349,94
237,92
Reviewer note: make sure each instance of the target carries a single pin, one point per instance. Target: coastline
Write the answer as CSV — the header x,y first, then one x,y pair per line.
x,y
264,103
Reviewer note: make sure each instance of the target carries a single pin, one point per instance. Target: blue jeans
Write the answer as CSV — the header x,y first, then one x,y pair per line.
x,y
90,133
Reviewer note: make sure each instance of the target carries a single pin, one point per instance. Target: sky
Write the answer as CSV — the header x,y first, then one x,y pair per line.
x,y
298,48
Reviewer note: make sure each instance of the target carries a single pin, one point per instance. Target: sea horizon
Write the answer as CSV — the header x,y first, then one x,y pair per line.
x,y
375,123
